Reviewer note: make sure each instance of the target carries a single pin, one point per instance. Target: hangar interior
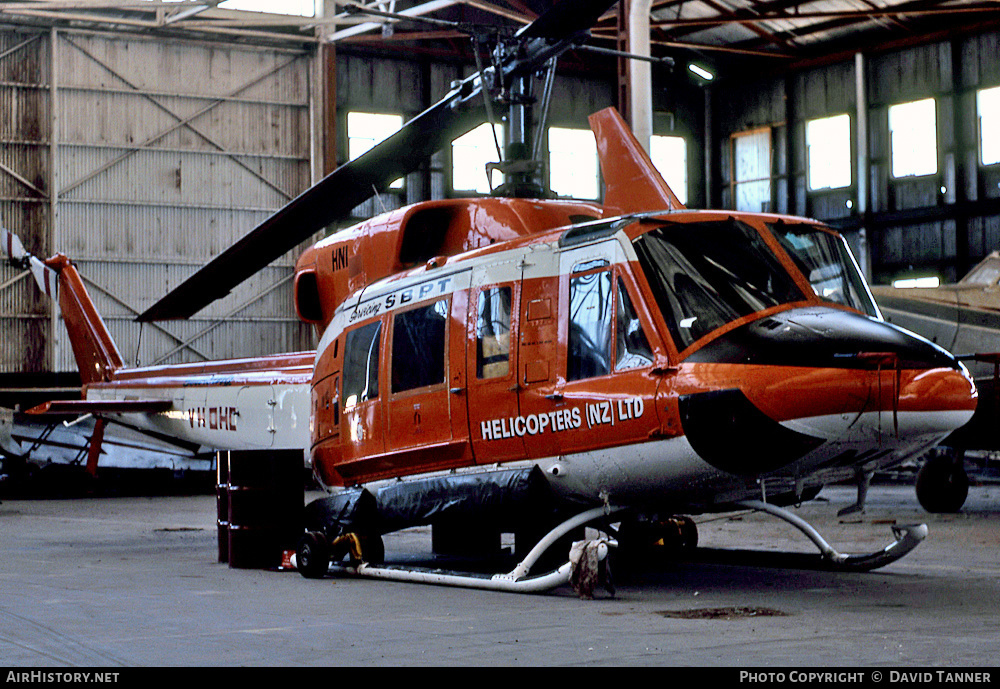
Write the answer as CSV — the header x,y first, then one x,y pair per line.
x,y
142,139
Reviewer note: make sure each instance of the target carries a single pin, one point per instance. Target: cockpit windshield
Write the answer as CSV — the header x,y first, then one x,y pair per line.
x,y
825,260
985,274
706,275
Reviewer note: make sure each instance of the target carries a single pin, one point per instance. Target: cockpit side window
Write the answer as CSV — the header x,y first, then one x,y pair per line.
x,y
705,275
361,356
590,325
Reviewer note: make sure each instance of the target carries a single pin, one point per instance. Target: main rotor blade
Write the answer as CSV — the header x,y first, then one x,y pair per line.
x,y
328,200
566,18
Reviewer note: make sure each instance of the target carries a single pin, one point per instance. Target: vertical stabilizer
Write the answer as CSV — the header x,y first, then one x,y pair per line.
x,y
632,182
96,353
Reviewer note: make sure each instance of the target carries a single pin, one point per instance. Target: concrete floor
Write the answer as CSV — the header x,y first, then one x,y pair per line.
x,y
127,582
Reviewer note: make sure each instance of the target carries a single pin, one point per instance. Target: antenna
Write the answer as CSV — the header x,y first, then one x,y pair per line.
x,y
378,197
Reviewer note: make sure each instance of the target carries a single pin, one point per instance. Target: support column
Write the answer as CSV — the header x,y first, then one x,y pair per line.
x,y
54,241
328,128
624,88
640,73
961,160
862,161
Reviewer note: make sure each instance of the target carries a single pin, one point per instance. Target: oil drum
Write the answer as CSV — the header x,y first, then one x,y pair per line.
x,y
266,496
222,503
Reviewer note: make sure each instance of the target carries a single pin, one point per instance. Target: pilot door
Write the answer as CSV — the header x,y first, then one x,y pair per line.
x,y
601,388
492,364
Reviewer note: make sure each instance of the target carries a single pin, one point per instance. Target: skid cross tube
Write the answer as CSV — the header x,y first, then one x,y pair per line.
x,y
907,538
515,581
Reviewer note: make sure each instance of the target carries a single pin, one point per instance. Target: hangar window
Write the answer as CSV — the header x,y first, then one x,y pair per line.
x,y
589,325
418,342
493,333
828,146
913,138
365,130
573,167
361,352
751,170
988,104
470,154
669,155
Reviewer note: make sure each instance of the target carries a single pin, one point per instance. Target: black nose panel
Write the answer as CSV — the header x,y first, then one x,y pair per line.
x,y
731,434
822,337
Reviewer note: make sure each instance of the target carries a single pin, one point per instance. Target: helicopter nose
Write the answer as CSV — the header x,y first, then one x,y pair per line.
x,y
822,337
820,381
940,400
882,378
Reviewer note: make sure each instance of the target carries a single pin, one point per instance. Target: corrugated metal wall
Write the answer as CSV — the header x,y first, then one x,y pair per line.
x,y
25,175
164,153
151,156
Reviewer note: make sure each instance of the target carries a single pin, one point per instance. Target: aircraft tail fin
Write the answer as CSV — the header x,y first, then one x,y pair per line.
x,y
632,182
96,353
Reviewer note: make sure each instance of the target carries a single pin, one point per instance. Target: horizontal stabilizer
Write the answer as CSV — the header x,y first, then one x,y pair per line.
x,y
102,407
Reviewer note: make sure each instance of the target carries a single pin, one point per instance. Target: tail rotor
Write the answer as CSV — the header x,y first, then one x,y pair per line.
x,y
46,278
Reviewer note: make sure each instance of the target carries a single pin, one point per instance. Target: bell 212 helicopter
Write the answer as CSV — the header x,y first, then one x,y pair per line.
x,y
532,365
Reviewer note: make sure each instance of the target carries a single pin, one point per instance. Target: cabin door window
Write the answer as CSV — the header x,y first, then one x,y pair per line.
x,y
493,333
493,407
420,403
418,347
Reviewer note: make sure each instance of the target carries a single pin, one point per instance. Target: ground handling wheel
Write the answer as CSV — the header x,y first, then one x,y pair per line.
x,y
312,555
942,484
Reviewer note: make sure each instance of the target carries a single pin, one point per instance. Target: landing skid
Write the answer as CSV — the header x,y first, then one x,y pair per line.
x,y
907,538
582,570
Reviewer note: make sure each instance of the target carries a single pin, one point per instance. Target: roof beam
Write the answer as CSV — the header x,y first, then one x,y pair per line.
x,y
836,14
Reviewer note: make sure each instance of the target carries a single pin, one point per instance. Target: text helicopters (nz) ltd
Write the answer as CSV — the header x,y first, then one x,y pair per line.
x,y
532,365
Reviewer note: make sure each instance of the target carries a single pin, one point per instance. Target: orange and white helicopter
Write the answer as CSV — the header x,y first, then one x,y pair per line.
x,y
537,365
